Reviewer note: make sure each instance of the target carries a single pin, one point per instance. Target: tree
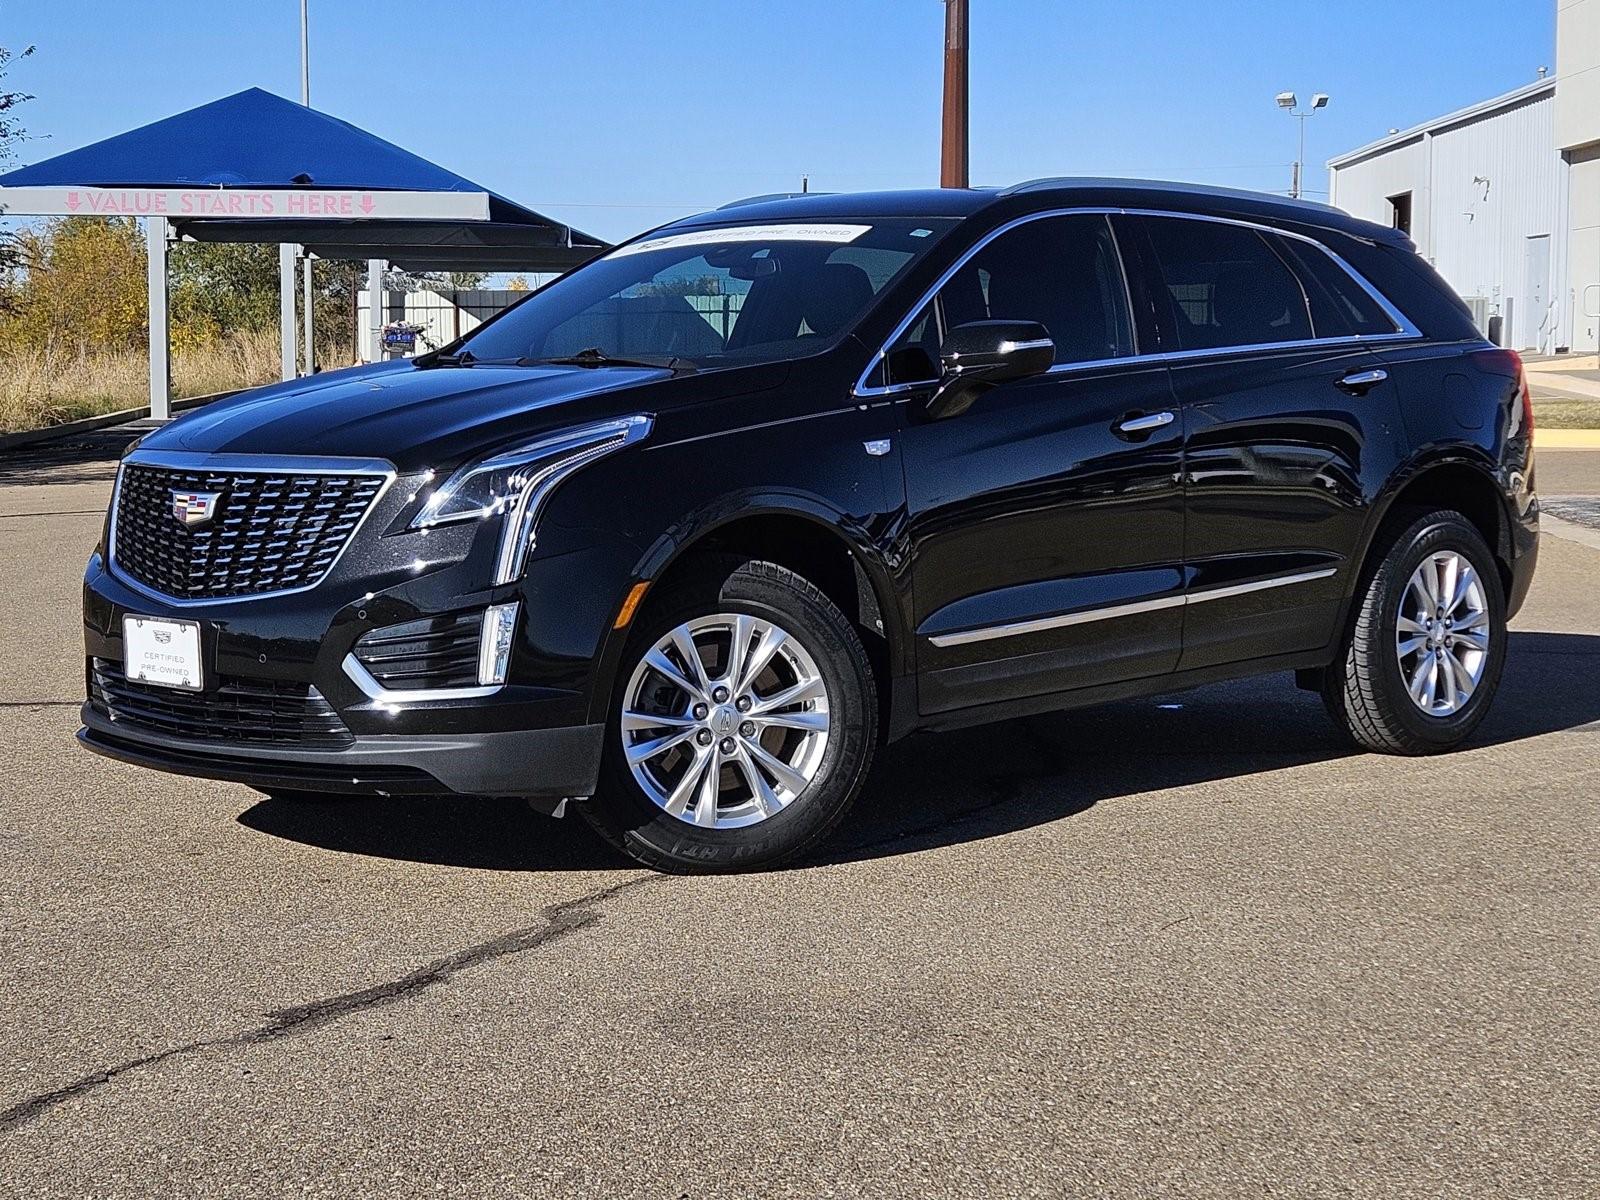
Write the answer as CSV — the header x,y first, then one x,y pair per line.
x,y
456,281
220,288
84,287
12,135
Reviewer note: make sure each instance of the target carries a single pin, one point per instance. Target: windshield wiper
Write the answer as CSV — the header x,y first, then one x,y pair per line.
x,y
596,357
468,359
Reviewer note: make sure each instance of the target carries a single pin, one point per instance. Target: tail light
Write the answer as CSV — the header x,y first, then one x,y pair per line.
x,y
1527,400
1508,363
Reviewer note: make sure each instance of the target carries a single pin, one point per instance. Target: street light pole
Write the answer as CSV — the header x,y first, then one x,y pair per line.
x,y
305,57
953,150
1289,102
1299,160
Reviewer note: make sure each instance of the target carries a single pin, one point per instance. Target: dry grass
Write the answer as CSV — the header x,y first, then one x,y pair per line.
x,y
1554,412
39,389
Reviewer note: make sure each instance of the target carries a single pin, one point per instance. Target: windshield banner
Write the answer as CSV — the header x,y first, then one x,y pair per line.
x,y
746,233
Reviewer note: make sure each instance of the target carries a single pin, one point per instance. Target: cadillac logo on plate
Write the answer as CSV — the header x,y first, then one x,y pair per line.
x,y
193,509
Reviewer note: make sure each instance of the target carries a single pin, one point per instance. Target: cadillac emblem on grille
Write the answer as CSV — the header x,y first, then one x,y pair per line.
x,y
193,509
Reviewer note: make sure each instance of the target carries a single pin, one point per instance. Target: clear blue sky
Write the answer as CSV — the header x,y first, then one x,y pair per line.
x,y
616,115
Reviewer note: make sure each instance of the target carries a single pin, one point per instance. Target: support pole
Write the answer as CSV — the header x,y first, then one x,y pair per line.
x,y
286,327
308,314
953,150
155,238
374,310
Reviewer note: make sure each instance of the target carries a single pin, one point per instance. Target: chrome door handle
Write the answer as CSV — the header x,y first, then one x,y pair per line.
x,y
1145,423
1361,381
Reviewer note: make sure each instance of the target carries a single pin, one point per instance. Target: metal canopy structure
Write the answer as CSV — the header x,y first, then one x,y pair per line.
x,y
254,167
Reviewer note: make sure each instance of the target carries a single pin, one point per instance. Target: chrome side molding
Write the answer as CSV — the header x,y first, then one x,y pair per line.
x,y
1015,629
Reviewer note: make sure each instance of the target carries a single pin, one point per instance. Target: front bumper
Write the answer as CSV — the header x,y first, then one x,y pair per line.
x,y
533,736
519,762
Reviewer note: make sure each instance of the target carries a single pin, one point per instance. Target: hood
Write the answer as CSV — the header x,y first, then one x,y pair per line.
x,y
415,417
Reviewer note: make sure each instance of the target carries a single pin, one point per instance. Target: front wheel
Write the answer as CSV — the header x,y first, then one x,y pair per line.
x,y
743,727
1427,642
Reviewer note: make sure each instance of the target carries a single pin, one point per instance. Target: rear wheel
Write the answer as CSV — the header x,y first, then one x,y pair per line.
x,y
1427,642
743,726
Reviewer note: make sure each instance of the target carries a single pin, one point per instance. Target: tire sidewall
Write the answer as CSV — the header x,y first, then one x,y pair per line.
x,y
629,818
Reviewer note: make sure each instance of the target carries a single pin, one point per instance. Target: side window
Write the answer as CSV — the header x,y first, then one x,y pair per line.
x,y
1350,308
1226,285
1062,272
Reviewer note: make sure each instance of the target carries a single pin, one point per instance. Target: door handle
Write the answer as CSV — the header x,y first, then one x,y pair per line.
x,y
1359,383
1144,422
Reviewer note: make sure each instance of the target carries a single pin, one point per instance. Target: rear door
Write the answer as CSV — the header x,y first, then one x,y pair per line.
x,y
1046,522
1290,422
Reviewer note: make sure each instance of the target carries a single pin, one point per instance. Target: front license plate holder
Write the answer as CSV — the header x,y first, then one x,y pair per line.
x,y
162,652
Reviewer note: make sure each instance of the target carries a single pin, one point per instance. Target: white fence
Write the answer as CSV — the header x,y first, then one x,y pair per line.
x,y
444,316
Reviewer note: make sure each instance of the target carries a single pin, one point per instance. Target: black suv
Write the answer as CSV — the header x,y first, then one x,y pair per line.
x,y
689,532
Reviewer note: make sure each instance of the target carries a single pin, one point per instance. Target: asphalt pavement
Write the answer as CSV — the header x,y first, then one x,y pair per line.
x,y
1187,946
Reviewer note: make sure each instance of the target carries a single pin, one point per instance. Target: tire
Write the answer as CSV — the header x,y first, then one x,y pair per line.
x,y
816,749
1368,690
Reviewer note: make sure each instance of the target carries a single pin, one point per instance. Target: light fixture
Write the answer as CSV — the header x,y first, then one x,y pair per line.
x,y
494,643
1320,100
1287,100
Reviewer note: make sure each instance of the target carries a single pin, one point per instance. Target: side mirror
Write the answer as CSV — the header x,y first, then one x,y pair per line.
x,y
983,354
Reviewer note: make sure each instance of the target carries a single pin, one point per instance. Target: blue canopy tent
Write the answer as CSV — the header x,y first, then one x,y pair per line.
x,y
254,167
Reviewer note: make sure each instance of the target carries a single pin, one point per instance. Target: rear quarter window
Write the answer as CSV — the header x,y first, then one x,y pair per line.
x,y
1340,305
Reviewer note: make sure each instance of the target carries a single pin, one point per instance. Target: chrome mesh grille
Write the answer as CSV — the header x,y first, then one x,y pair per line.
x,y
259,711
270,532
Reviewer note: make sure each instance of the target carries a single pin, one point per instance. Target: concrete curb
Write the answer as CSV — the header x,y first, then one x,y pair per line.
x,y
30,437
1569,530
1565,439
1570,362
1566,386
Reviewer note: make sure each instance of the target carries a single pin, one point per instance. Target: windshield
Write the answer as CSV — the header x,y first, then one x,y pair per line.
x,y
725,296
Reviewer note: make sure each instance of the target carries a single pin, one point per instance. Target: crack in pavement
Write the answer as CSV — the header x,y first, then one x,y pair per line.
x,y
560,921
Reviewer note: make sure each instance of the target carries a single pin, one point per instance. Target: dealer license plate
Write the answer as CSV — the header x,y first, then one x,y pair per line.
x,y
162,652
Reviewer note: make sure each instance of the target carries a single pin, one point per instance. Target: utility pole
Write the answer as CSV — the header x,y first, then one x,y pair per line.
x,y
953,150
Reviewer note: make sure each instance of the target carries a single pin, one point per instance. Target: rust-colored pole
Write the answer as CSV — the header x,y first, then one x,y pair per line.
x,y
953,151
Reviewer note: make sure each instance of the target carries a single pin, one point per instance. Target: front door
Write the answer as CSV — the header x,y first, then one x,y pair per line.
x,y
1046,522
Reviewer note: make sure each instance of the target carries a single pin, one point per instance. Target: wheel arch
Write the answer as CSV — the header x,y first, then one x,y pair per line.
x,y
829,548
1457,479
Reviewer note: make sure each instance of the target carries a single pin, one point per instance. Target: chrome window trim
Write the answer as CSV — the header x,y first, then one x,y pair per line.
x,y
184,460
373,690
1404,329
1015,628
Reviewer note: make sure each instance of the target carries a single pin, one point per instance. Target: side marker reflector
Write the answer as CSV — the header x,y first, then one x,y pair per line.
x,y
631,604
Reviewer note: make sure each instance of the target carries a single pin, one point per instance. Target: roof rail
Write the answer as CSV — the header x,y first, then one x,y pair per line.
x,y
769,196
1038,185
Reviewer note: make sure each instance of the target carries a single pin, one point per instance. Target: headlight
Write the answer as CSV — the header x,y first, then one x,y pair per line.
x,y
515,483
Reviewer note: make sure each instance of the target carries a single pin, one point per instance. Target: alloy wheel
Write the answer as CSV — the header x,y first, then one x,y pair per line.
x,y
725,721
1442,633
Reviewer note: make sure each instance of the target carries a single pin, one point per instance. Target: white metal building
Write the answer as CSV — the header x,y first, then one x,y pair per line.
x,y
1503,197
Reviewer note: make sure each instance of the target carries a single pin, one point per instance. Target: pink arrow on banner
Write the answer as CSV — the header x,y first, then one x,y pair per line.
x,y
72,201
366,202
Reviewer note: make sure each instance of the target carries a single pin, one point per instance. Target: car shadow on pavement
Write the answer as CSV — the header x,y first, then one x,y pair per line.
x,y
944,789
90,457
